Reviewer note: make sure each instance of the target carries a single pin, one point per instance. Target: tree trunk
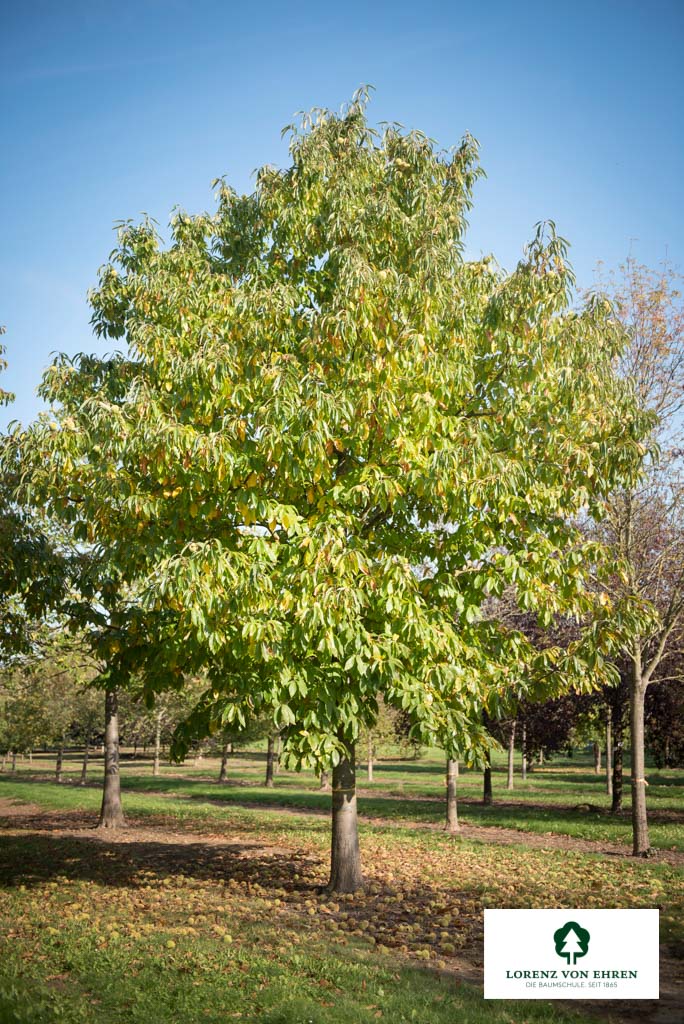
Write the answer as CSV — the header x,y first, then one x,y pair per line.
x,y
511,755
487,794
345,856
609,751
324,781
452,824
523,748
84,765
111,812
276,759
597,757
270,754
640,841
14,760
58,762
540,759
157,742
616,805
223,772
370,758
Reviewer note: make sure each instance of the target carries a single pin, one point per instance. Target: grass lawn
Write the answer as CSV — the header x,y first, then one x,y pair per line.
x,y
205,911
564,797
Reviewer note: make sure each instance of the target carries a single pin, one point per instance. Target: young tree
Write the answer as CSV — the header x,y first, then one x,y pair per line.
x,y
645,524
88,722
664,710
372,738
332,438
22,718
451,824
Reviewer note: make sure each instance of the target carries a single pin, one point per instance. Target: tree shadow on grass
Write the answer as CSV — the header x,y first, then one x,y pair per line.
x,y
32,857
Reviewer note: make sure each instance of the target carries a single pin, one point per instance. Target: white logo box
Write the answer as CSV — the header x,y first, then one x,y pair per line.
x,y
621,959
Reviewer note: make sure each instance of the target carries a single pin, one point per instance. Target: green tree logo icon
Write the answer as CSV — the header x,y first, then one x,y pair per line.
x,y
572,941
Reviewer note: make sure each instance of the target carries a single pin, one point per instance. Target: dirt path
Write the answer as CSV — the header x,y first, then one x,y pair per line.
x,y
496,834
213,855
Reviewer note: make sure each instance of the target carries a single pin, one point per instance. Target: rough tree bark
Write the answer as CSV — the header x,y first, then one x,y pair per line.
x,y
452,824
511,754
59,761
223,771
270,757
111,811
345,855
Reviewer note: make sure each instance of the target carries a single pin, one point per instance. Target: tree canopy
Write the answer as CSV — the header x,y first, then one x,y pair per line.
x,y
331,439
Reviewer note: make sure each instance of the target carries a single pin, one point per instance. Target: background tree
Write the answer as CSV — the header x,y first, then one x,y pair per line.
x,y
332,438
22,718
374,738
645,524
664,709
31,571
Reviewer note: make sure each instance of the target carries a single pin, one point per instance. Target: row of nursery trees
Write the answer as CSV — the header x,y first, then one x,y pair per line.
x,y
51,701
337,464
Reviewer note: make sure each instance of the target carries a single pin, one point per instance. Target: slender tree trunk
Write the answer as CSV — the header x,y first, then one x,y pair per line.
x,y
616,805
523,748
58,762
511,755
641,843
30,756
14,760
4,760
345,855
157,743
370,757
223,772
609,751
276,759
324,780
111,812
597,757
487,794
270,757
84,764
540,759
452,824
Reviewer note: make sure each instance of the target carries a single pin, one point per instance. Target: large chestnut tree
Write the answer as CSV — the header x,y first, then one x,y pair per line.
x,y
331,438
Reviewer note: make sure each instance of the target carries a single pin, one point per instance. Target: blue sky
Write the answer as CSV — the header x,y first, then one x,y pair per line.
x,y
111,109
